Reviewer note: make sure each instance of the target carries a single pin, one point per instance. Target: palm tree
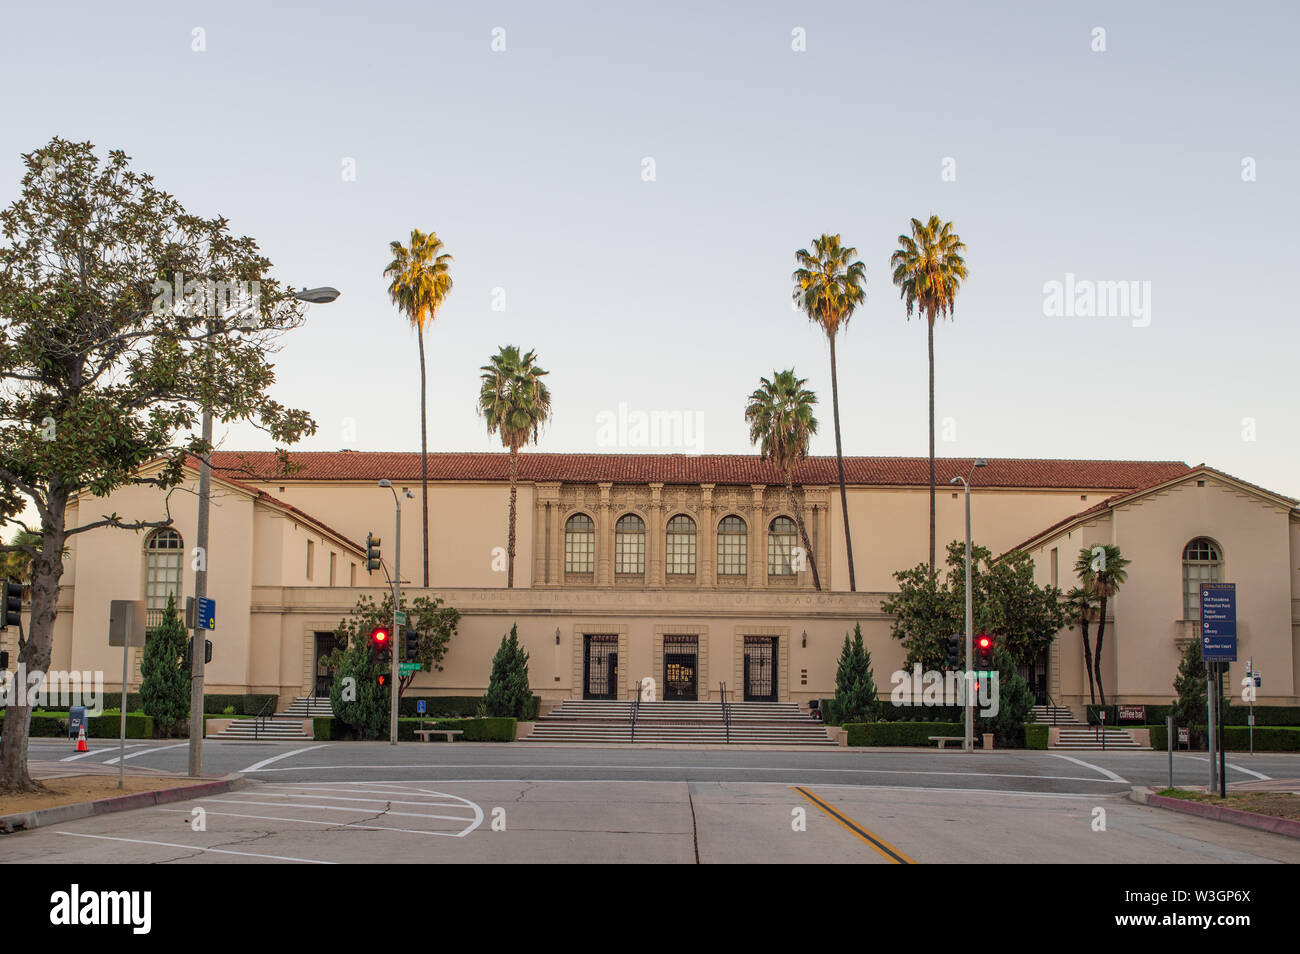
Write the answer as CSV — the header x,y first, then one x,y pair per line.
x,y
780,416
928,270
1081,608
516,403
419,282
1101,571
829,286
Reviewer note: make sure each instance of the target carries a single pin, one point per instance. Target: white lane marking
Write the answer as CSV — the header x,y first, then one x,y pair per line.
x,y
344,798
217,851
1096,768
104,751
1259,775
161,748
708,768
335,824
257,766
333,808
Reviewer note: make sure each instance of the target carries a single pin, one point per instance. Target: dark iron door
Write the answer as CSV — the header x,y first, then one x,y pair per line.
x,y
1035,673
760,669
324,678
681,667
600,668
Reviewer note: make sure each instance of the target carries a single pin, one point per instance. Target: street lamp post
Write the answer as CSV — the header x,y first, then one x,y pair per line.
x,y
394,642
319,296
968,735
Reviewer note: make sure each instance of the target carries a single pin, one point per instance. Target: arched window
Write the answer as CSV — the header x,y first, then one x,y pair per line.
x,y
579,544
629,544
782,538
1202,563
733,546
681,546
163,550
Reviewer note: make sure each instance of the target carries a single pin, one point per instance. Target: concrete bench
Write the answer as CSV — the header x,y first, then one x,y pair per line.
x,y
447,734
943,740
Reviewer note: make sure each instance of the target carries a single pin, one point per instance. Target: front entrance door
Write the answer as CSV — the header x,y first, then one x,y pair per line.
x,y
681,667
324,678
760,669
600,667
1035,673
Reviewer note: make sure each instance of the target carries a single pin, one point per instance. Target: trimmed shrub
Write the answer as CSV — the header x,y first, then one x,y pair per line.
x,y
899,733
1036,736
475,730
508,694
165,685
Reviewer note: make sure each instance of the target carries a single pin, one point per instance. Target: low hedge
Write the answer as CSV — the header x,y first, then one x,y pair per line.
x,y
1236,738
249,704
475,730
456,707
1235,714
899,733
107,726
1036,736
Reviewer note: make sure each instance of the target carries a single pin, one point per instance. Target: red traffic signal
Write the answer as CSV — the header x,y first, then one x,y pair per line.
x,y
984,651
381,644
379,636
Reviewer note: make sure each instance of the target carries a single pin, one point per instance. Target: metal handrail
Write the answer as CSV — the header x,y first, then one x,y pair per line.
x,y
1051,706
636,705
261,715
726,712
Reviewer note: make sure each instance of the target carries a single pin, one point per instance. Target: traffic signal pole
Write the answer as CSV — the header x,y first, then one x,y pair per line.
x,y
397,605
968,737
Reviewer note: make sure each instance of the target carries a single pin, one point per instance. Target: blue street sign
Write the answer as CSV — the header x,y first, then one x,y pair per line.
x,y
207,614
1219,622
419,706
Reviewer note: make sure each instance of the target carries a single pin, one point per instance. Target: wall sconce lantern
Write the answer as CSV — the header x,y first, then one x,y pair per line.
x,y
805,639
557,635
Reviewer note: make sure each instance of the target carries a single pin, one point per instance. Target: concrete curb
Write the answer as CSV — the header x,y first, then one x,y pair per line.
x,y
1234,816
44,817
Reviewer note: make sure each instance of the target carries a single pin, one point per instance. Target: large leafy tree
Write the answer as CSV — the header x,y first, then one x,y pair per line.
x,y
1102,570
435,622
516,403
1022,617
123,315
928,270
780,417
419,282
829,285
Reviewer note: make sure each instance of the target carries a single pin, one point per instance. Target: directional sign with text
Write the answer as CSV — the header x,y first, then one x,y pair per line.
x,y
207,614
1219,622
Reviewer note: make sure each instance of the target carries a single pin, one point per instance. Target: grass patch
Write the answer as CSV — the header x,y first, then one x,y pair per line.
x,y
1274,804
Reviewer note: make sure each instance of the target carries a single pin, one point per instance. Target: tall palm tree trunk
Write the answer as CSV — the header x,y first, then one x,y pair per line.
x,y
1096,659
510,543
839,463
1087,660
930,343
803,532
424,453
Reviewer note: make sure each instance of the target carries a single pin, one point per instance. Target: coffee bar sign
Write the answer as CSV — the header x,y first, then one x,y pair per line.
x,y
1131,713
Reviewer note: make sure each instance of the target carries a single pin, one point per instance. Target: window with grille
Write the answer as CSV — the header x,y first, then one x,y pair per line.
x,y
733,546
1202,563
782,538
163,551
629,544
681,546
579,544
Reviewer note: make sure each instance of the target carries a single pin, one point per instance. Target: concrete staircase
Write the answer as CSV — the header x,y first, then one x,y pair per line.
x,y
284,726
684,723
1080,736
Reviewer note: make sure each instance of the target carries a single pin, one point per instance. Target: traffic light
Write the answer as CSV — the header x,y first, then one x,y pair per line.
x,y
411,645
11,602
381,680
984,651
207,651
372,553
381,649
954,652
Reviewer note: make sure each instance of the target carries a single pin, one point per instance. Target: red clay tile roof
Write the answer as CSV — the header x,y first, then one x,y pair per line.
x,y
734,469
262,495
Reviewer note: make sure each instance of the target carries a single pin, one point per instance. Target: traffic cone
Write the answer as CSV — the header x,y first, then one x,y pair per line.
x,y
81,739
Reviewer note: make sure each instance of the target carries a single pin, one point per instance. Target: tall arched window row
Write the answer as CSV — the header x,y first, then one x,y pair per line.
x,y
579,544
733,546
681,546
629,544
163,552
782,538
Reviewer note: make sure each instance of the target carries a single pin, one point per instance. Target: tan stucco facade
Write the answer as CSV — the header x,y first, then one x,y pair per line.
x,y
270,611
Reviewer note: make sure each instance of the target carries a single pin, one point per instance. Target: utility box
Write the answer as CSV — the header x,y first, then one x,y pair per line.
x,y
76,719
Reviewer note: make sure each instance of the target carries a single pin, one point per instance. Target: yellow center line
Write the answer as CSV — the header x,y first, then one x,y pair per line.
x,y
878,844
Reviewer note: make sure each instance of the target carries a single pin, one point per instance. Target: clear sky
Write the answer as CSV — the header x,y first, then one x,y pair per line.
x,y
674,294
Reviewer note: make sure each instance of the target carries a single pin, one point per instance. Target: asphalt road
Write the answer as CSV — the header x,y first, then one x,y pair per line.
x,y
317,803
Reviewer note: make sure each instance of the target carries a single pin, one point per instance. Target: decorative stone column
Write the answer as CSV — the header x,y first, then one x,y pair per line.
x,y
706,548
757,537
655,541
545,530
604,539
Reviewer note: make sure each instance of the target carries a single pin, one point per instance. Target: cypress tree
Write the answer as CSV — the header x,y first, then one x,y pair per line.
x,y
508,691
165,686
